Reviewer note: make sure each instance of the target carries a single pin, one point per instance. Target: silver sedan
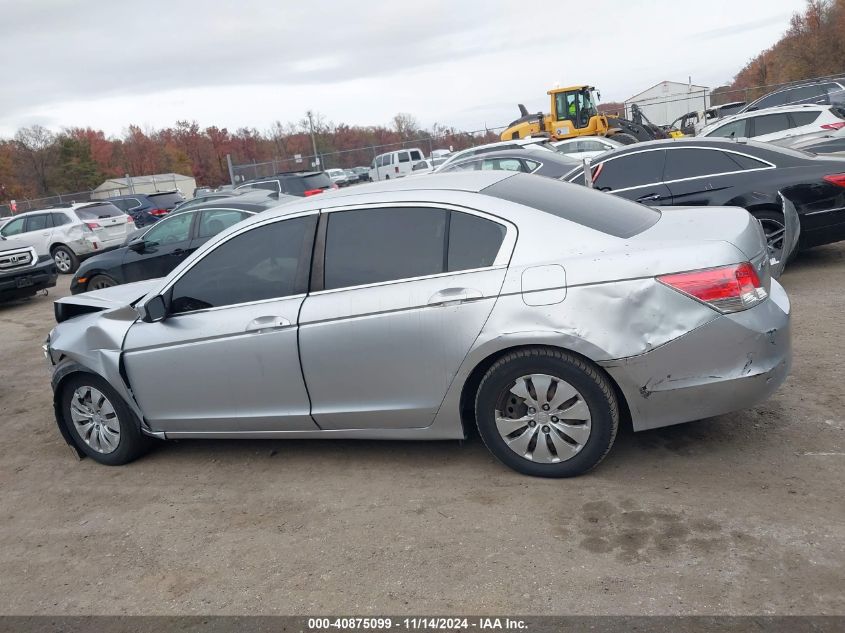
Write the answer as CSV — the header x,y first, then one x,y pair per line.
x,y
541,312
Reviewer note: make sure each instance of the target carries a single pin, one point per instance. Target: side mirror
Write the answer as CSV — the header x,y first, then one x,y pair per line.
x,y
153,310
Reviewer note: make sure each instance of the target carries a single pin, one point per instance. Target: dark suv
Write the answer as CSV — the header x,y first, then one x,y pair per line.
x,y
822,92
292,183
146,208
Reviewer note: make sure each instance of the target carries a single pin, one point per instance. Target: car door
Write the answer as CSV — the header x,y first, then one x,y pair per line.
x,y
225,358
164,247
701,176
399,294
637,176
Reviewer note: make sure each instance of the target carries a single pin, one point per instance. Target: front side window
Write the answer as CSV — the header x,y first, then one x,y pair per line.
x,y
268,262
415,154
772,100
171,230
632,170
38,222
771,123
735,129
693,163
15,227
213,221
403,157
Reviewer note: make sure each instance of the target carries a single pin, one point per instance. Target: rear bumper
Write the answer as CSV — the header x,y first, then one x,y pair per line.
x,y
25,283
730,363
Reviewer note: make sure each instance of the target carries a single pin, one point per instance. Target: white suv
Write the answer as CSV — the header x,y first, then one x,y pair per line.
x,y
772,124
71,233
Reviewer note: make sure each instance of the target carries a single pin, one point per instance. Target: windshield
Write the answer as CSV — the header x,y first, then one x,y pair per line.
x,y
96,211
166,200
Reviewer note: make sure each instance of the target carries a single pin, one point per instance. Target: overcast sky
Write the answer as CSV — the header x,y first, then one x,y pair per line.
x,y
467,63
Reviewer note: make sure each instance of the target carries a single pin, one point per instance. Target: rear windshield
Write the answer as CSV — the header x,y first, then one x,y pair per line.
x,y
297,186
595,210
166,200
96,211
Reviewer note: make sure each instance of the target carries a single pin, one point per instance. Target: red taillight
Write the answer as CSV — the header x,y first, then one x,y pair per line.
x,y
727,289
834,126
334,186
397,169
130,219
158,212
93,225
312,192
836,179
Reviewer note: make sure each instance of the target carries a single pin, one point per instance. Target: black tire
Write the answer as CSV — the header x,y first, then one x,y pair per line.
x,y
591,383
131,443
624,138
771,220
66,260
98,282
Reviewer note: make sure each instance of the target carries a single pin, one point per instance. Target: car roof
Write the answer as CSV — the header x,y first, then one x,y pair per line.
x,y
527,154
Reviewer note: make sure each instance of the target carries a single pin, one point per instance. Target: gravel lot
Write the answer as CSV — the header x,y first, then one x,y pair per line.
x,y
740,514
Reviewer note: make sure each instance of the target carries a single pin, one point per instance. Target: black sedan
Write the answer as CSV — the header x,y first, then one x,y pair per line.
x,y
713,172
528,159
159,250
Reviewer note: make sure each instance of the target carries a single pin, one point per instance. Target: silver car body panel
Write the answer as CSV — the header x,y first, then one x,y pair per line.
x,y
391,360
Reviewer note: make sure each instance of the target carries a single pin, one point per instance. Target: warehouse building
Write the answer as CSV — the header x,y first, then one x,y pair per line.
x,y
668,100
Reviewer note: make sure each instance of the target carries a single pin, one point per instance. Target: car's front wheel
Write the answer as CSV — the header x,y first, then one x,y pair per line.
x,y
100,422
546,412
98,282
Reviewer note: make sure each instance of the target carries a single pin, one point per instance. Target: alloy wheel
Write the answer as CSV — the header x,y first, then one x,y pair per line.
x,y
63,262
543,419
95,419
775,232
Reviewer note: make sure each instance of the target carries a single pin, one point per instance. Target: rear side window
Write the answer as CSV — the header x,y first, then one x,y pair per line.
x,y
608,214
746,162
771,123
60,219
267,262
474,242
403,157
166,200
691,163
299,185
213,221
806,94
804,118
97,211
375,245
415,155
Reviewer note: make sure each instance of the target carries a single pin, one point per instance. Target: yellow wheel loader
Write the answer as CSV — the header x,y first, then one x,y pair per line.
x,y
573,112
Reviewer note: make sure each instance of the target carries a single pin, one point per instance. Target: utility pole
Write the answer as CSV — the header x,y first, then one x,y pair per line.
x,y
313,140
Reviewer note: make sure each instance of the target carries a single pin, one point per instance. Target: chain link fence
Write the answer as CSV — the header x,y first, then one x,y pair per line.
x,y
142,186
360,156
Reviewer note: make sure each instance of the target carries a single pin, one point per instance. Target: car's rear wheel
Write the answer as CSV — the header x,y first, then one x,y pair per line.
x,y
774,226
98,282
100,422
546,412
66,260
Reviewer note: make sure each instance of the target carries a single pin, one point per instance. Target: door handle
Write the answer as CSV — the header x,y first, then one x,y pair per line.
x,y
650,196
178,251
454,296
46,234
267,323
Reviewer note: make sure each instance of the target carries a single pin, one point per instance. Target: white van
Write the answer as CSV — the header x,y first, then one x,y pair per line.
x,y
394,164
